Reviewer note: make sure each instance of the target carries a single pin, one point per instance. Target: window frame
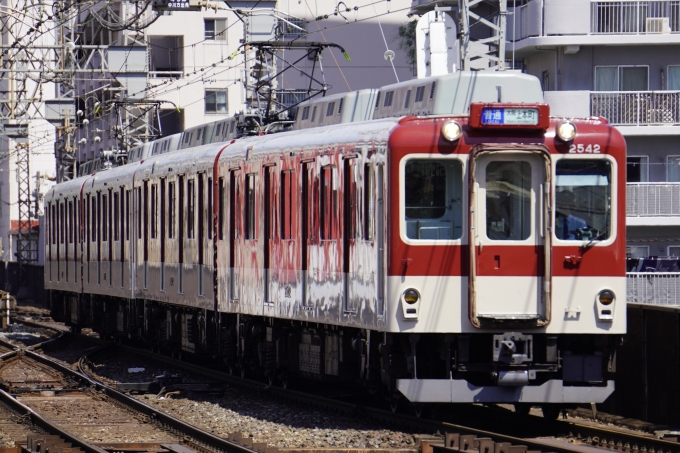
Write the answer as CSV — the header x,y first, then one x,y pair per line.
x,y
646,176
216,111
216,37
613,214
618,76
668,67
462,161
668,166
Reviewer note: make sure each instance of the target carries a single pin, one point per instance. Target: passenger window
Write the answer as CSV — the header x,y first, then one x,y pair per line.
x,y
116,216
433,191
172,208
105,218
328,221
251,233
191,211
583,199
508,200
369,203
154,211
287,194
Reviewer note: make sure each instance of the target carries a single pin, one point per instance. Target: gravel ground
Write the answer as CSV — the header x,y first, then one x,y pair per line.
x,y
279,423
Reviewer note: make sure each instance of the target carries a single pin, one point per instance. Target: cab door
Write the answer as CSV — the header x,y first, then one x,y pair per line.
x,y
510,244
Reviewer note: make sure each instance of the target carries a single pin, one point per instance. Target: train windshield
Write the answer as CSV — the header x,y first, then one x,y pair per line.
x,y
583,200
433,199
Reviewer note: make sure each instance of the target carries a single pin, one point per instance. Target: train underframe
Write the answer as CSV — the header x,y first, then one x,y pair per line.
x,y
280,349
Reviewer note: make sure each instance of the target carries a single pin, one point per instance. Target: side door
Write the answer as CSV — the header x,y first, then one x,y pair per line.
x,y
510,245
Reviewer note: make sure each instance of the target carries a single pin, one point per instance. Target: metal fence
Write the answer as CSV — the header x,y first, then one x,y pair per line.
x,y
636,108
652,199
654,288
635,17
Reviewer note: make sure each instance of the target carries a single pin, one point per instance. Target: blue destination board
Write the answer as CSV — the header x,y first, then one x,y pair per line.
x,y
510,116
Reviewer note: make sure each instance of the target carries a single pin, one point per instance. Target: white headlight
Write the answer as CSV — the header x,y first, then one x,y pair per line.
x,y
451,131
566,131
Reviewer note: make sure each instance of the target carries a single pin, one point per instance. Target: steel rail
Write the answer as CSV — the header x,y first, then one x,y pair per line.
x,y
615,440
40,421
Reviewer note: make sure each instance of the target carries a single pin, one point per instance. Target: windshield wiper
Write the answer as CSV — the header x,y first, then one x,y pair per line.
x,y
590,243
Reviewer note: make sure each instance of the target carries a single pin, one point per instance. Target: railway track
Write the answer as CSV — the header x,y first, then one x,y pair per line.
x,y
75,412
495,430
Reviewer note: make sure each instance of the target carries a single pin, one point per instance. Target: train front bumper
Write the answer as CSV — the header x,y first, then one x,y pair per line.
x,y
461,391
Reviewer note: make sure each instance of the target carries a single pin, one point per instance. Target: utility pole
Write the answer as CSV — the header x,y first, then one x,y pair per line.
x,y
481,30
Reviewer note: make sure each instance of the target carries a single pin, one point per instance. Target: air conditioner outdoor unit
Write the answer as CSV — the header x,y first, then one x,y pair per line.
x,y
657,25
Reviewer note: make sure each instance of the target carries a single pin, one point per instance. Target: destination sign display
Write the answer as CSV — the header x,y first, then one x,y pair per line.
x,y
509,116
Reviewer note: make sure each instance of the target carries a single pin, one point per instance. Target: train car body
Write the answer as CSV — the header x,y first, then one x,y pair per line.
x,y
473,256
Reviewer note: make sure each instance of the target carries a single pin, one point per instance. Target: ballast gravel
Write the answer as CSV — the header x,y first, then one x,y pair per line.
x,y
257,415
279,424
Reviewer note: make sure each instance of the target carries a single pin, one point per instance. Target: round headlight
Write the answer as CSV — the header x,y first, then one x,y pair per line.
x,y
566,131
606,297
411,296
451,131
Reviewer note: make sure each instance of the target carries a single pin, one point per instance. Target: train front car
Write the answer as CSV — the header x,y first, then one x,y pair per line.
x,y
506,256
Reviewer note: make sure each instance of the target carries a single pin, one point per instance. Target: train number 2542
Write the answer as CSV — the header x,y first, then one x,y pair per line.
x,y
581,148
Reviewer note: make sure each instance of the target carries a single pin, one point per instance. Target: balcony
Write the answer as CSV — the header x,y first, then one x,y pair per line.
x,y
637,108
653,199
591,22
633,112
653,288
634,17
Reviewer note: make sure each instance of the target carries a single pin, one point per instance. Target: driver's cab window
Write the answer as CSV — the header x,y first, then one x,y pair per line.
x,y
583,200
433,199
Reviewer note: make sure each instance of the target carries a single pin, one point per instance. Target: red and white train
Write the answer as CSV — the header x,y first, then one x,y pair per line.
x,y
441,239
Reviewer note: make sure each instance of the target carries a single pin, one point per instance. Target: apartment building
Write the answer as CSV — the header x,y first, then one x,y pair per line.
x,y
192,63
620,60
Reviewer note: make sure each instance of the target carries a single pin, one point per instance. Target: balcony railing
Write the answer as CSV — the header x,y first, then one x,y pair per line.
x,y
637,108
653,288
634,17
652,199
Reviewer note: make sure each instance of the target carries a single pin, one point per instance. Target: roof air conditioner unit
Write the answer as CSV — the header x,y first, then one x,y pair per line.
x,y
657,25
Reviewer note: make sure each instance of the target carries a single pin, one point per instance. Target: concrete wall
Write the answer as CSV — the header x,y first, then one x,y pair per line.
x,y
648,368
576,71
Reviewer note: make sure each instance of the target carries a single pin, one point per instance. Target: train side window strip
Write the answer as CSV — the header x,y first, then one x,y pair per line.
x,y
251,206
220,209
154,211
62,228
191,211
172,209
209,211
287,197
369,203
328,208
116,217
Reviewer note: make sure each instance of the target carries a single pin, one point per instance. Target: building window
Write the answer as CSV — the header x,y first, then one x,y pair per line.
x,y
621,78
215,101
638,251
673,168
292,29
215,29
673,78
637,169
674,250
